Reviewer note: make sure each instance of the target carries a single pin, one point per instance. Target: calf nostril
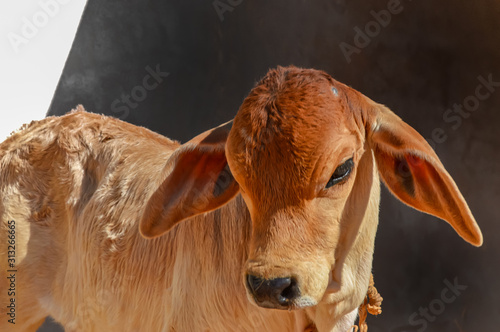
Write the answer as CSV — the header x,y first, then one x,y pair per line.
x,y
273,293
289,293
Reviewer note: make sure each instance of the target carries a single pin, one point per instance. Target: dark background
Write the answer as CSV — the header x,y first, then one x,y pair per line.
x,y
425,60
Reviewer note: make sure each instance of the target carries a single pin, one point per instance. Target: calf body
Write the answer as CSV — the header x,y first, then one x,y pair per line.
x,y
76,187
98,203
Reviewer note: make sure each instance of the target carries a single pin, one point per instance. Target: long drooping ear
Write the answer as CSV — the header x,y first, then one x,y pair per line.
x,y
413,172
198,181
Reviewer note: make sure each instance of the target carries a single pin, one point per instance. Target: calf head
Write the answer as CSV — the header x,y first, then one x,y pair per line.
x,y
305,152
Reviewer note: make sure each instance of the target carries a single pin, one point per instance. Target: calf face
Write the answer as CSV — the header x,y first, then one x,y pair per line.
x,y
303,151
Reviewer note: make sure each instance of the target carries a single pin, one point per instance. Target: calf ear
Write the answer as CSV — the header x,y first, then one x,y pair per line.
x,y
413,173
198,181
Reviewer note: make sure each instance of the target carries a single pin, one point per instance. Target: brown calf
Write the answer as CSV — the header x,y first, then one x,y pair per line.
x,y
279,209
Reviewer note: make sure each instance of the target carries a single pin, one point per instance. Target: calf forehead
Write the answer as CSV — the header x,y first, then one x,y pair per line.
x,y
282,131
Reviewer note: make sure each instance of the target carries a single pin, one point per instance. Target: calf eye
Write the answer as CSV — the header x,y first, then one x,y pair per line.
x,y
341,173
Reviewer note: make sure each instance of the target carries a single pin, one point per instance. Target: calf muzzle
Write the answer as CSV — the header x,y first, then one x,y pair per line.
x,y
278,293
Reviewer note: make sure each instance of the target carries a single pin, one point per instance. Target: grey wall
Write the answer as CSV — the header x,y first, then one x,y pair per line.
x,y
427,59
